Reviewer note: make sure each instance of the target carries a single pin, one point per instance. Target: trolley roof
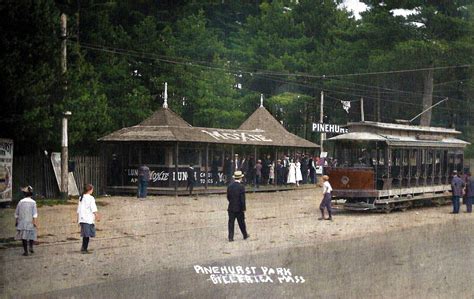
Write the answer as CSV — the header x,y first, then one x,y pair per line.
x,y
402,135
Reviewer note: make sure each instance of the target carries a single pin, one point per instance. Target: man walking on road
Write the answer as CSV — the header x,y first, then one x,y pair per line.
x,y
457,186
143,179
236,209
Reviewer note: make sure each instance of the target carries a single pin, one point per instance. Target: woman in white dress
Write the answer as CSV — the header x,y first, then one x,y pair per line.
x,y
299,175
291,173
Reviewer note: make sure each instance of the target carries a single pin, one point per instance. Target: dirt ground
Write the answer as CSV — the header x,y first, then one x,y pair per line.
x,y
159,233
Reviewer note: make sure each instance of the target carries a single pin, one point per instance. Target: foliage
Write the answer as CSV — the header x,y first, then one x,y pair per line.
x,y
219,56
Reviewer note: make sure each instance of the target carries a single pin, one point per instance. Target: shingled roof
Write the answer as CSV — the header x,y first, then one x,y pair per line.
x,y
165,125
263,120
165,117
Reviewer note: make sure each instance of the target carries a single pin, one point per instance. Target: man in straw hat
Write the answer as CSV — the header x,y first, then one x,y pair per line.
x,y
236,209
326,202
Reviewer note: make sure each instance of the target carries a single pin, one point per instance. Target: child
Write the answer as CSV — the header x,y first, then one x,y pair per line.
x,y
26,215
86,215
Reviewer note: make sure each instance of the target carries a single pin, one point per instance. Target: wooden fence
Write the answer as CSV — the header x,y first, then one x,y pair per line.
x,y
37,171
90,170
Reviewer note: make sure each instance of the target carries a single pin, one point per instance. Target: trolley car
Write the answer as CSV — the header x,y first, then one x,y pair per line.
x,y
381,166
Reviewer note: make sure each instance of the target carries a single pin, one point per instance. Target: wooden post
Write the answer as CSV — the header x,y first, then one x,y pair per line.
x,y
207,167
275,159
64,142
362,117
321,120
176,182
64,158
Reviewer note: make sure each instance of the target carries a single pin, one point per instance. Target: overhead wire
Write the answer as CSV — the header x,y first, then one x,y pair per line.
x,y
265,74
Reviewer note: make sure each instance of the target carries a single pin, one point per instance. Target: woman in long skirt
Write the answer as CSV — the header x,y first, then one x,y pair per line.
x,y
299,175
26,215
86,216
291,173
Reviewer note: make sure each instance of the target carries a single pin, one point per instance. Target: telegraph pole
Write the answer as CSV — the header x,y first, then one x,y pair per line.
x,y
64,142
362,117
321,120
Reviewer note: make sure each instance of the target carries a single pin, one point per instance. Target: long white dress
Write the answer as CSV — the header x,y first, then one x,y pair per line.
x,y
299,176
291,174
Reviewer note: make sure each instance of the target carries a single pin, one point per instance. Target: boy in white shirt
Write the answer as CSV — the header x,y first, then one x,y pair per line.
x,y
326,202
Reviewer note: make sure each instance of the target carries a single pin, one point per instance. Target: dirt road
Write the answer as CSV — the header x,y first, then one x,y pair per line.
x,y
167,234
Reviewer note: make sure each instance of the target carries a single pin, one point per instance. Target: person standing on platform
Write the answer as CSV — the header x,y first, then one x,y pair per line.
x,y
327,197
291,178
237,206
191,180
26,215
271,175
280,172
304,169
215,171
236,163
312,171
469,192
143,179
299,176
457,186
265,170
250,174
244,167
286,167
227,169
258,173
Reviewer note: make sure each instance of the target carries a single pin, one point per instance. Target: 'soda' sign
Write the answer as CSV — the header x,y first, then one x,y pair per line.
x,y
327,128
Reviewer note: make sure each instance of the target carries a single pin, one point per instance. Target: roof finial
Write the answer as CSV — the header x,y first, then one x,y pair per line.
x,y
261,100
165,96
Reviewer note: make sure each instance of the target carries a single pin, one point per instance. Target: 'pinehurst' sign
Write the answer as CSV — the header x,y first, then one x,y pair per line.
x,y
329,128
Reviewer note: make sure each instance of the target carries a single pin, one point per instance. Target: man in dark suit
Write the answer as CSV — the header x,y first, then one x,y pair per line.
x,y
190,179
236,209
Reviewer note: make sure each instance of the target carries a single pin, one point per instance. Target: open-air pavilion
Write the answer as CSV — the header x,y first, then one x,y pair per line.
x,y
168,145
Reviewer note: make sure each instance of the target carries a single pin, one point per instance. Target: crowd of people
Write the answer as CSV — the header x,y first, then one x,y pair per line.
x,y
287,170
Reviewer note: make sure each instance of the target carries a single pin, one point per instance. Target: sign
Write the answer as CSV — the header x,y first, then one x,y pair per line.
x,y
167,176
6,168
238,136
329,128
72,186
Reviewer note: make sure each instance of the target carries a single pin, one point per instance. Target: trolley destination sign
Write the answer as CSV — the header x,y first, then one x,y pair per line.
x,y
329,128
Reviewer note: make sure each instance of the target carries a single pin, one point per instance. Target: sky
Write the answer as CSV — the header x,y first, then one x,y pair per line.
x,y
357,7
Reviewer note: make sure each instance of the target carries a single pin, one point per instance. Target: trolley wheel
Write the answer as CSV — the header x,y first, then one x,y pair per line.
x,y
439,202
405,207
388,208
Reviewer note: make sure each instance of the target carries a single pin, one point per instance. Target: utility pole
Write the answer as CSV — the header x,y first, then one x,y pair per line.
x,y
321,120
362,109
64,142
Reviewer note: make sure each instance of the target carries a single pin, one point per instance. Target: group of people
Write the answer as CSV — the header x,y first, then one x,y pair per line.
x,y
26,213
237,205
267,171
26,219
462,187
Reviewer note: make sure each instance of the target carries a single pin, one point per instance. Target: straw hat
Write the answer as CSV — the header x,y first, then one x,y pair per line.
x,y
238,175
